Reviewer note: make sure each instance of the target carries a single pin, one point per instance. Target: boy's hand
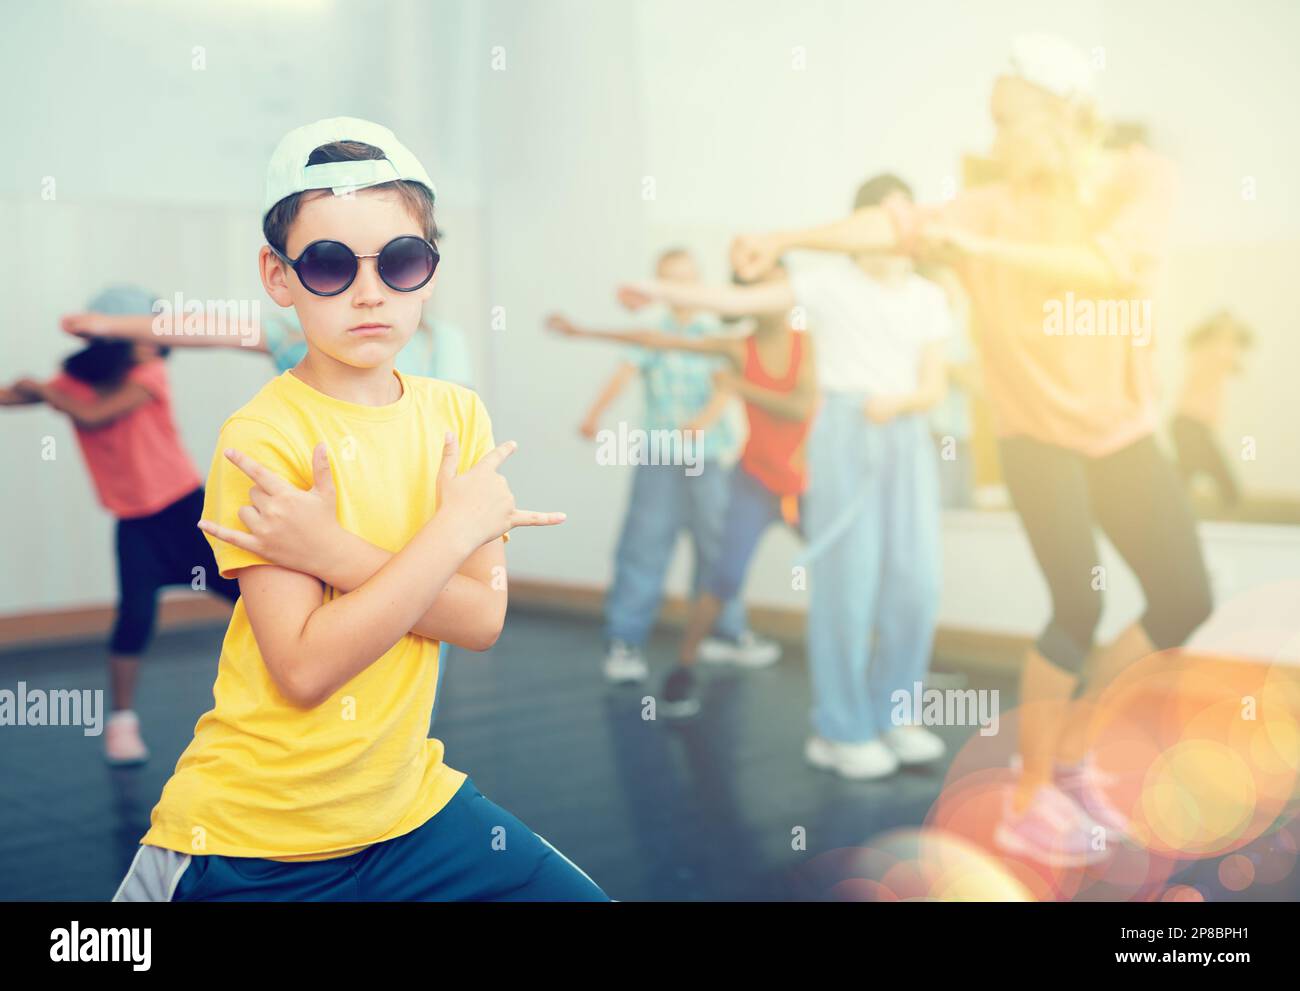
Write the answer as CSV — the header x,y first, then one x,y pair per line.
x,y
84,324
589,427
905,217
882,409
633,297
480,500
754,255
30,388
288,526
946,242
562,325
725,380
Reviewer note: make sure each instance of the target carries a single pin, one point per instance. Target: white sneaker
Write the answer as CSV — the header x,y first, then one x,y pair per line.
x,y
914,744
624,662
857,761
748,650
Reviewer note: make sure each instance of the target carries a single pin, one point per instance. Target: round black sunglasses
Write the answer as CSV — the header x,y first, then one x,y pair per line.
x,y
327,268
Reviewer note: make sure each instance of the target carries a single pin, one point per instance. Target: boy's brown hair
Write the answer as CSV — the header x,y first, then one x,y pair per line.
x,y
874,190
414,196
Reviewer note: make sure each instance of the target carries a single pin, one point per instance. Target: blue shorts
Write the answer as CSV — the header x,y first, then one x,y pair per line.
x,y
471,850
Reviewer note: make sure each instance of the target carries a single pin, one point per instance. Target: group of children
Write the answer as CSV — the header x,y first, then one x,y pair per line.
x,y
313,777
1075,418
839,448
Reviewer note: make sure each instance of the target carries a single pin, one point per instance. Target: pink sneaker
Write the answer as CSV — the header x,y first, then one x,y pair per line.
x,y
1087,784
122,743
1051,829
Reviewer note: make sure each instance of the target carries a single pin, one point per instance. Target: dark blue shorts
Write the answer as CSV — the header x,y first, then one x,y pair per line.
x,y
471,850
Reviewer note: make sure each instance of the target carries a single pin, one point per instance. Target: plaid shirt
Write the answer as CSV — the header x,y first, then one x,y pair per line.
x,y
679,384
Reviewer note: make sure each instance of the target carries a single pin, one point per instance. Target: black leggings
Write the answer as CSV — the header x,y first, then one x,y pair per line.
x,y
153,552
1198,452
1141,506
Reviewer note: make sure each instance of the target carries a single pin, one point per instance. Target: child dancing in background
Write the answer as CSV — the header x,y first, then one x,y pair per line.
x,y
770,480
1214,351
667,497
117,395
1075,414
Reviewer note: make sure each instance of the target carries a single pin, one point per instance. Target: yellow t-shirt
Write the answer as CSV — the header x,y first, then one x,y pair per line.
x,y
263,778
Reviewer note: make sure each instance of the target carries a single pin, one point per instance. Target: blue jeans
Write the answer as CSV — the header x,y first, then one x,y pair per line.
x,y
873,521
470,850
752,509
664,500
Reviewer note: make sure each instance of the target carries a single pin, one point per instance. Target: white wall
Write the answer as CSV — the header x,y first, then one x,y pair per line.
x,y
541,167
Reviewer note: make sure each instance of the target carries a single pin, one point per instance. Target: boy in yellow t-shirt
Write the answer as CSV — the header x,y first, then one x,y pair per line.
x,y
374,530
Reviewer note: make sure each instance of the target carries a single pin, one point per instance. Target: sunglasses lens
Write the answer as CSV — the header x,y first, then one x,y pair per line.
x,y
326,267
407,263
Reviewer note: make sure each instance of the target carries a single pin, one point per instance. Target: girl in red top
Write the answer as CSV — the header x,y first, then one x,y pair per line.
x,y
773,374
117,395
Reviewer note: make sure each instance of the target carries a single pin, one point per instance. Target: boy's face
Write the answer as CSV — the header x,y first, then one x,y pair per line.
x,y
1225,345
679,268
368,323
1035,130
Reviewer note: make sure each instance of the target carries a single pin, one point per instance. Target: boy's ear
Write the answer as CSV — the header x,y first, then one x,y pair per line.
x,y
275,276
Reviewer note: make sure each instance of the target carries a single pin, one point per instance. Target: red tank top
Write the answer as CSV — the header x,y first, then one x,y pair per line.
x,y
775,451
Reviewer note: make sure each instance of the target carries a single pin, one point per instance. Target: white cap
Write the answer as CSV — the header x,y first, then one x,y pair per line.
x,y
1053,64
289,173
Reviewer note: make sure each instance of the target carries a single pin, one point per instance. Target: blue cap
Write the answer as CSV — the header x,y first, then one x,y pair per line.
x,y
123,301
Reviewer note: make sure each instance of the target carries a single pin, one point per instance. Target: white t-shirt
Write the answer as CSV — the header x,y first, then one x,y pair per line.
x,y
869,334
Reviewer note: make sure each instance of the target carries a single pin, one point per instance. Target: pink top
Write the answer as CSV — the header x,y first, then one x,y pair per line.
x,y
137,461
1060,365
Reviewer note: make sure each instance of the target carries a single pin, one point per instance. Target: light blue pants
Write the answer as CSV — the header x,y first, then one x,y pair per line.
x,y
664,500
873,536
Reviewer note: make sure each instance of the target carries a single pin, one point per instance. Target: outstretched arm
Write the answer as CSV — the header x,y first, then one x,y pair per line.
x,y
724,300
20,394
867,230
218,331
1080,265
899,225
648,338
97,412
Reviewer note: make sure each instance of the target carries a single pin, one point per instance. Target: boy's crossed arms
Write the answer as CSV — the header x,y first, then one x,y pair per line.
x,y
439,586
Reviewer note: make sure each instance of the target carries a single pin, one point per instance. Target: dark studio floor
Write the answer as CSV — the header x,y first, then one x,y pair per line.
x,y
652,810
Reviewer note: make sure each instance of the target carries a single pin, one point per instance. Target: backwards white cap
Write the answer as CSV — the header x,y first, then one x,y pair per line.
x,y
1053,64
289,172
